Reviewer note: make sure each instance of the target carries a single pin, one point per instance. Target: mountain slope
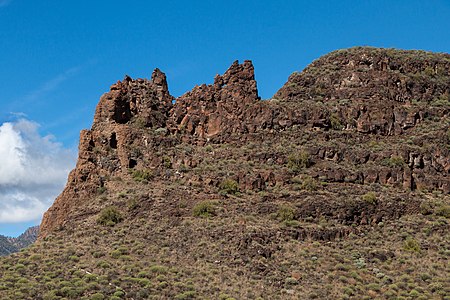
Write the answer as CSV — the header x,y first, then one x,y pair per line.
x,y
338,187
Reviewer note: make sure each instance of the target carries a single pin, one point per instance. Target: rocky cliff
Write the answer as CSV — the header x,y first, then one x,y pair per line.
x,y
383,114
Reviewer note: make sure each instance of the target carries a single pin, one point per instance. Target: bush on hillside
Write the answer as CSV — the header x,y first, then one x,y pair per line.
x,y
109,216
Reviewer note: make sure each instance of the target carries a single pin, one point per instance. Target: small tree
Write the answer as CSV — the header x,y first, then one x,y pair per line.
x,y
109,216
229,186
298,161
204,209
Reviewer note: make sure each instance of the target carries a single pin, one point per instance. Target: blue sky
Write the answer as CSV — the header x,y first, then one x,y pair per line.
x,y
59,57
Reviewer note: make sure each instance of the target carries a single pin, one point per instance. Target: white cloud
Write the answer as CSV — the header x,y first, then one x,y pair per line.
x,y
33,171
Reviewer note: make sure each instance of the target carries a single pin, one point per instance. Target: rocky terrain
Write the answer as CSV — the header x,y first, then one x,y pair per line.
x,y
10,245
336,188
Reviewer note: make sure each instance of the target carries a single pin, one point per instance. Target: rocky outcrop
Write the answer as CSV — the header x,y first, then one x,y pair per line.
x,y
105,150
371,74
211,110
347,95
145,101
382,91
405,168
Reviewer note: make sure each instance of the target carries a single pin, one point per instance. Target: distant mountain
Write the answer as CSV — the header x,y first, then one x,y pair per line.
x,y
6,247
10,245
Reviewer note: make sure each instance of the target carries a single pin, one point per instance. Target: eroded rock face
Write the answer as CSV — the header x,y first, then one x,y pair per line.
x,y
147,100
221,108
371,73
381,91
352,94
106,149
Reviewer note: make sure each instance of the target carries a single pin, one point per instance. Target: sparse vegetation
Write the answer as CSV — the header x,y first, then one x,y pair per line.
x,y
101,190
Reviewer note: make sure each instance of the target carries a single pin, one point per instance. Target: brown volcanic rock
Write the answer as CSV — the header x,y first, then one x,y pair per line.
x,y
148,99
374,90
210,110
105,149
383,92
124,115
371,73
333,108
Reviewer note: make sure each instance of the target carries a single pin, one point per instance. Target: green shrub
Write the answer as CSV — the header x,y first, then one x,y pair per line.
x,y
141,175
370,198
229,187
204,209
224,296
309,184
161,131
443,211
426,207
119,293
286,213
51,295
186,295
74,258
393,161
373,287
335,122
119,252
298,161
97,296
140,122
132,204
103,264
442,101
70,292
97,254
411,245
109,216
158,269
167,162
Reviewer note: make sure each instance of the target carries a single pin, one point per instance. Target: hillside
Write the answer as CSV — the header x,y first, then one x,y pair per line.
x,y
337,187
10,245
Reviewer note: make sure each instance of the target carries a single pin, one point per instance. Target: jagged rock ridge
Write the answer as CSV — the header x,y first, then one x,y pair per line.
x,y
357,95
10,245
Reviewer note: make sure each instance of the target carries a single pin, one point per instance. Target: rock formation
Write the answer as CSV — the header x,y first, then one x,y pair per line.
x,y
359,96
